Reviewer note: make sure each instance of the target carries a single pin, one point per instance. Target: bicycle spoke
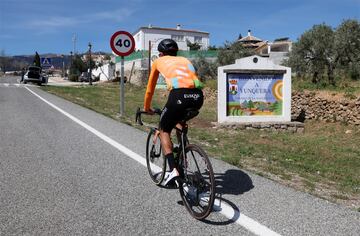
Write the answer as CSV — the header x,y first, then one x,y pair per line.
x,y
154,159
198,191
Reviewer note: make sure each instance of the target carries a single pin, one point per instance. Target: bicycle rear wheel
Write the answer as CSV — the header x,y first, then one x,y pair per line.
x,y
198,189
155,160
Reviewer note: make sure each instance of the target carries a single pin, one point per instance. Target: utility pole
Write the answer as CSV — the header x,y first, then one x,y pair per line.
x,y
71,62
74,43
149,59
71,58
63,65
90,73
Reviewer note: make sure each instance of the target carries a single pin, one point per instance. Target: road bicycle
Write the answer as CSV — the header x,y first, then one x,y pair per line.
x,y
196,182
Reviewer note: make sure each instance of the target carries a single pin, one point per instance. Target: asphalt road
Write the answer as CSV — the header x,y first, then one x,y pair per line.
x,y
61,176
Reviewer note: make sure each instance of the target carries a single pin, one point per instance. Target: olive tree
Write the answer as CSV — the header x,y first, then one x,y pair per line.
x,y
323,52
347,44
232,51
205,69
314,53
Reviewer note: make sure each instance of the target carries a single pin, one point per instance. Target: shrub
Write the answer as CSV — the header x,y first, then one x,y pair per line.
x,y
205,69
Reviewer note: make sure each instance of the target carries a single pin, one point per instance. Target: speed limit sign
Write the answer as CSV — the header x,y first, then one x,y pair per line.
x,y
122,43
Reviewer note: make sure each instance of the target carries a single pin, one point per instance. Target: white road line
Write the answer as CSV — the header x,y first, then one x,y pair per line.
x,y
221,207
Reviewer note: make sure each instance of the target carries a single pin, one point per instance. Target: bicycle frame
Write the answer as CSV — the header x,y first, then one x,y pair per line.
x,y
192,183
183,142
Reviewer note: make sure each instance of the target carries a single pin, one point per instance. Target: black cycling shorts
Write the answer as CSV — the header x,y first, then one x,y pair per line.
x,y
175,109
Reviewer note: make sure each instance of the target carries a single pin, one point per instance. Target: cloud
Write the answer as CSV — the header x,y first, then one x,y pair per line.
x,y
56,22
116,15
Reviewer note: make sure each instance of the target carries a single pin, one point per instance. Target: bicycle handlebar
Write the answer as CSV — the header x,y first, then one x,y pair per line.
x,y
139,112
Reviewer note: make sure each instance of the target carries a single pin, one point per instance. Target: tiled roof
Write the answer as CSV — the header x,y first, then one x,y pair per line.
x,y
250,38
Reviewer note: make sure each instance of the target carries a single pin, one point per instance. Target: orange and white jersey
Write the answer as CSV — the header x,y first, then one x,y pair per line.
x,y
178,73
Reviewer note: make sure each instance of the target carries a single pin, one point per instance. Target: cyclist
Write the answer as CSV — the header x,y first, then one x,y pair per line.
x,y
185,92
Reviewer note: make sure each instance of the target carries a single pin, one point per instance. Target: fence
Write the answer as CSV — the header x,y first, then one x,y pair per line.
x,y
188,54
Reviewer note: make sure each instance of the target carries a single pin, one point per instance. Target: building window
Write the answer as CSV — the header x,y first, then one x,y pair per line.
x,y
198,39
178,38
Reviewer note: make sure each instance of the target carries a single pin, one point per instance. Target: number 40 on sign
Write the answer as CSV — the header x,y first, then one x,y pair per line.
x,y
122,43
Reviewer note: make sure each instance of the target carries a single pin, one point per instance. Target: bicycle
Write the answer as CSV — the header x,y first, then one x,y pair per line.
x,y
196,180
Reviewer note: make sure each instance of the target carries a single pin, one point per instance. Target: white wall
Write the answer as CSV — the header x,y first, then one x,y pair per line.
x,y
138,64
106,72
143,37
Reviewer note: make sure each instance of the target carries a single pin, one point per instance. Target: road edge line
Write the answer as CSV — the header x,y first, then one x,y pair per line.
x,y
225,209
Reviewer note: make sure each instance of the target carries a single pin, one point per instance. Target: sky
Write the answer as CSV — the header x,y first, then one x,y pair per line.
x,y
48,26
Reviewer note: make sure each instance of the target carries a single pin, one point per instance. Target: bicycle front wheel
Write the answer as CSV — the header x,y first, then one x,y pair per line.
x,y
155,160
198,189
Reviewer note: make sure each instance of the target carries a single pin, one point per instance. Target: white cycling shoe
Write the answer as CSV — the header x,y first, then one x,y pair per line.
x,y
172,175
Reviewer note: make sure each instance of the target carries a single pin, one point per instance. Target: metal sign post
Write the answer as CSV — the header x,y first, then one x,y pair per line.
x,y
123,44
122,87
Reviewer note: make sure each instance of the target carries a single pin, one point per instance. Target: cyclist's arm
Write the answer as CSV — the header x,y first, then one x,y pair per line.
x,y
154,74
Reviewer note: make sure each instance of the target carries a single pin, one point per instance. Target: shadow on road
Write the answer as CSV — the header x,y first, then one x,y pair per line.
x,y
233,182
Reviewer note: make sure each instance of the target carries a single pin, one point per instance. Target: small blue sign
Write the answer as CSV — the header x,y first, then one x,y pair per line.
x,y
46,62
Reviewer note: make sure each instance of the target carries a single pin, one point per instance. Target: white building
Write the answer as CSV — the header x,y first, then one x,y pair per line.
x,y
154,35
277,51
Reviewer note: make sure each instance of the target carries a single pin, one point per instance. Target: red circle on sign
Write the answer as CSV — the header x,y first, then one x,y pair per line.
x,y
113,43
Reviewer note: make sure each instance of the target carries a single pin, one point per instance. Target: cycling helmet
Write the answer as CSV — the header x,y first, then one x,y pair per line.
x,y
168,46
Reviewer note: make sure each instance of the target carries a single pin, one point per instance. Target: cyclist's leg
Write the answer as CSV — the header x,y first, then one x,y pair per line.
x,y
167,123
166,142
156,135
173,112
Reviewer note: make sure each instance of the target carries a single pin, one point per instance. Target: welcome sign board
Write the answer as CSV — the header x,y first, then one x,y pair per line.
x,y
254,89
254,94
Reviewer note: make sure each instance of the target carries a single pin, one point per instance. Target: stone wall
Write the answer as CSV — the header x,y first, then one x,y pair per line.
x,y
293,127
310,105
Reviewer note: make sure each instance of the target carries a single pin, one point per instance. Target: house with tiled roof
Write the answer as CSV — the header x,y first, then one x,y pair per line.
x,y
250,41
152,35
277,51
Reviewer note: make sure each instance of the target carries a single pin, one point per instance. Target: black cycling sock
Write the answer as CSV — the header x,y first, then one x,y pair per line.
x,y
171,160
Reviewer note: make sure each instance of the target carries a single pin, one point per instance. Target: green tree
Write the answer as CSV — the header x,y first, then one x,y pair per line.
x,y
347,44
205,69
36,61
87,59
314,53
193,46
213,47
232,51
77,67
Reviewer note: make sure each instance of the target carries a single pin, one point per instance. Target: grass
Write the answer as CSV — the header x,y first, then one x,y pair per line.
x,y
348,87
325,160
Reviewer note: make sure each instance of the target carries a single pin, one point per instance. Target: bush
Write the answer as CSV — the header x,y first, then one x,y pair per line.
x,y
232,51
205,70
74,77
